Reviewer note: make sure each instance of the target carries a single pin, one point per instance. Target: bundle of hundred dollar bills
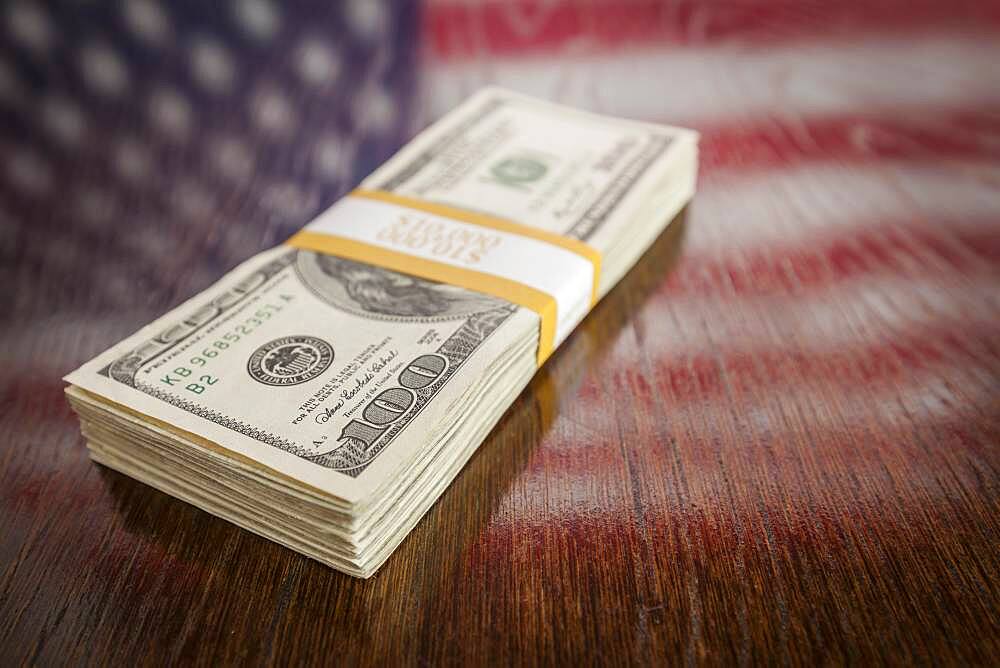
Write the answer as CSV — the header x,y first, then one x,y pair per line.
x,y
325,392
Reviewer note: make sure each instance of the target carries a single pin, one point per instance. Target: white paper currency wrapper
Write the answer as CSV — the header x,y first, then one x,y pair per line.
x,y
478,252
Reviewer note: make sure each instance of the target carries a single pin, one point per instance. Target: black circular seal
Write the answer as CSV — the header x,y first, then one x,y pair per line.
x,y
290,360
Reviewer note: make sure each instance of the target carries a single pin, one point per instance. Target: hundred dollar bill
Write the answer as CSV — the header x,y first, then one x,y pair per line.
x,y
342,378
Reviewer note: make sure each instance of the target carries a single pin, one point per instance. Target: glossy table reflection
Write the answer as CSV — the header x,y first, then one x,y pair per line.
x,y
607,518
777,440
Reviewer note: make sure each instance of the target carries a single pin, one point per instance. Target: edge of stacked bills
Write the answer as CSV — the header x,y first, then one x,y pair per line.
x,y
326,403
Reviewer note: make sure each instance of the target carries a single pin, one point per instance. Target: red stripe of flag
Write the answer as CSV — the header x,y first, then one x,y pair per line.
x,y
513,27
864,250
861,138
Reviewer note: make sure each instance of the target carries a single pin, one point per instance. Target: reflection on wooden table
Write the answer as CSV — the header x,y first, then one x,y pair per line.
x,y
776,440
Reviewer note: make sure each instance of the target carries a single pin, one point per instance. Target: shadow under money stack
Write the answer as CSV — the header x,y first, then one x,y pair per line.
x,y
322,394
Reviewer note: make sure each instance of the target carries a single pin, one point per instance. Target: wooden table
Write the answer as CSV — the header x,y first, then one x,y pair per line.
x,y
775,441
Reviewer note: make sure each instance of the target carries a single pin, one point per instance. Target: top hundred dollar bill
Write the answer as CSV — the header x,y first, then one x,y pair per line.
x,y
336,371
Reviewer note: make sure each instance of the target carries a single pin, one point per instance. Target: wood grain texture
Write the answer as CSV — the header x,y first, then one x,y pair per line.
x,y
776,441
874,540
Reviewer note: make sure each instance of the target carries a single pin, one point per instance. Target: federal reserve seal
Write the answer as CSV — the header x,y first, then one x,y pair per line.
x,y
290,360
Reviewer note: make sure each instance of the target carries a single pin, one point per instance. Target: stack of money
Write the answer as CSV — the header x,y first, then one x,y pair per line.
x,y
325,399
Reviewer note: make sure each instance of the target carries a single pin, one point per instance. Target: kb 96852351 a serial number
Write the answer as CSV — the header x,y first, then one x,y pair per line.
x,y
191,376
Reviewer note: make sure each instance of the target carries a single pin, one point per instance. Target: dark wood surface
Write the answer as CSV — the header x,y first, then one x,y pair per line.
x,y
776,441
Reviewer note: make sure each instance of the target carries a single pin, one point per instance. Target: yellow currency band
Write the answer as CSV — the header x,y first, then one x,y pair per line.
x,y
512,291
